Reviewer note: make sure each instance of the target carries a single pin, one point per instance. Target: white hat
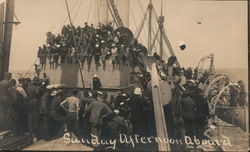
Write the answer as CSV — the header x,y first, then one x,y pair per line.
x,y
192,81
113,44
116,111
99,92
97,45
137,91
54,92
95,76
90,94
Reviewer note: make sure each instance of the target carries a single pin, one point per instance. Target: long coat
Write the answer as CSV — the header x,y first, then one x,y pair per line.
x,y
138,107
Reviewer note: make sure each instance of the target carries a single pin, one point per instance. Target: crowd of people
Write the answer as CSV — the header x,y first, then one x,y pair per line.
x,y
188,112
82,44
48,112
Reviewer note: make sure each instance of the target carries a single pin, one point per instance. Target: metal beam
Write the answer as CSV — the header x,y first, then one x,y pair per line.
x,y
150,8
18,22
9,17
1,39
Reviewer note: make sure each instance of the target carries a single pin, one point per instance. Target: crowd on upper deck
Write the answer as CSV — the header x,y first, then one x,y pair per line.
x,y
82,44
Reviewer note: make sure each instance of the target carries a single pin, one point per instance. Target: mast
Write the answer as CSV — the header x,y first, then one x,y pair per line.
x,y
1,39
9,17
161,21
150,8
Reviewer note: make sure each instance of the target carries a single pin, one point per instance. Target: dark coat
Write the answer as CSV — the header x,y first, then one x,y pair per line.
x,y
96,83
138,107
188,108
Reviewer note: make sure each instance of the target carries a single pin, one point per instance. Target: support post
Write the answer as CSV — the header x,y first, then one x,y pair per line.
x,y
9,17
150,8
1,39
161,21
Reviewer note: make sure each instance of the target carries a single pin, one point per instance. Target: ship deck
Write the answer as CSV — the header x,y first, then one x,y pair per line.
x,y
57,145
238,138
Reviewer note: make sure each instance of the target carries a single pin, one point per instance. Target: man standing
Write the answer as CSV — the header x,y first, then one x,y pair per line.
x,y
138,105
96,83
72,106
37,69
46,80
34,93
189,109
98,110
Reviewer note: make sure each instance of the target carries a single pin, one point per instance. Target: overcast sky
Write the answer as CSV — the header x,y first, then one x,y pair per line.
x,y
223,28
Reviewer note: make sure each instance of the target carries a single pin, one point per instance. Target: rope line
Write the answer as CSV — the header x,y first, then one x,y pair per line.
x,y
31,67
77,10
89,10
65,20
137,28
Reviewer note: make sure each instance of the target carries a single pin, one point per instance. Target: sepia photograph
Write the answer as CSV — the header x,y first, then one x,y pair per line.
x,y
124,75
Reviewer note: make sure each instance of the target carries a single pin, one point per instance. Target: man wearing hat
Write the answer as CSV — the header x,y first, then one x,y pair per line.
x,y
56,113
86,27
105,53
114,55
97,110
96,82
97,54
34,93
138,105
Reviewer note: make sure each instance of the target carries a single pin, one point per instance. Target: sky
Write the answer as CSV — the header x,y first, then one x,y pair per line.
x,y
223,28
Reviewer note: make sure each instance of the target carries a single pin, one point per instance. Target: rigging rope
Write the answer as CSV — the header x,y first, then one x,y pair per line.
x,y
65,20
89,10
135,23
30,68
73,34
77,10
